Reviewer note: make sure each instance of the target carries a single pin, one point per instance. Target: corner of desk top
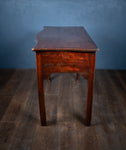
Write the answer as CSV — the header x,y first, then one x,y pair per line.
x,y
33,49
97,49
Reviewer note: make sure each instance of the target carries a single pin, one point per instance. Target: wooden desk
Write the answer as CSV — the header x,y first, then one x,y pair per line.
x,y
65,49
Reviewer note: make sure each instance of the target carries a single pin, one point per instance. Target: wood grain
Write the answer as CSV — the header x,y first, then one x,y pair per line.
x,y
63,62
65,50
64,39
65,99
41,88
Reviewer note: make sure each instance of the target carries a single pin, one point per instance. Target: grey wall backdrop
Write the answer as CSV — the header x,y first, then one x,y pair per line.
x,y
20,20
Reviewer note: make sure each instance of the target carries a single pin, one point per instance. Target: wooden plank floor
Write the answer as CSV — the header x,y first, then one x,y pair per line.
x,y
65,107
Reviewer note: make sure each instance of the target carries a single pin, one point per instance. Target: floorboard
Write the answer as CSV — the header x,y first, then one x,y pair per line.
x,y
65,109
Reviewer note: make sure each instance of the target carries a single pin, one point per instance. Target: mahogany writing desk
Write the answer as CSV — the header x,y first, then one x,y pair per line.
x,y
65,49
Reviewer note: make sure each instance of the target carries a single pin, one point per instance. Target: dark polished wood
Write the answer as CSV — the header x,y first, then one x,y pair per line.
x,y
65,50
64,39
65,100
90,87
40,88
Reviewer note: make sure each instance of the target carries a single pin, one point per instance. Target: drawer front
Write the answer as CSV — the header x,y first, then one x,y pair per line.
x,y
51,58
65,62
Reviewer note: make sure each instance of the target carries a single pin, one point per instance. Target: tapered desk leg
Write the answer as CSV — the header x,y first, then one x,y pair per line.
x,y
77,77
40,88
90,88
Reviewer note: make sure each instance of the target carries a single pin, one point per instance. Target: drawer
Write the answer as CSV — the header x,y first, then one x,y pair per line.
x,y
74,58
51,57
65,58
65,62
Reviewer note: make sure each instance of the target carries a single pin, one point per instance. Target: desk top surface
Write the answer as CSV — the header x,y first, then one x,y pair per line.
x,y
64,39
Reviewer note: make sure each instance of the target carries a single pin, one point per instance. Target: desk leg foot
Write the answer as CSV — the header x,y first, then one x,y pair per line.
x,y
90,89
49,79
42,109
89,102
77,77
